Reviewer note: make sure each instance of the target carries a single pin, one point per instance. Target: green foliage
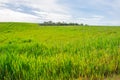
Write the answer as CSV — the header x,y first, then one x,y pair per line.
x,y
33,52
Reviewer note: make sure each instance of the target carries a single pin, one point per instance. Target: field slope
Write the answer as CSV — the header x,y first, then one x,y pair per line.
x,y
33,52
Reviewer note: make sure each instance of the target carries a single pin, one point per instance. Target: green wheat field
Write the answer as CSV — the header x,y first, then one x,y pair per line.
x,y
29,51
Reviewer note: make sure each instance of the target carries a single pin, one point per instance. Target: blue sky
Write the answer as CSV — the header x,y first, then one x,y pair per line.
x,y
92,12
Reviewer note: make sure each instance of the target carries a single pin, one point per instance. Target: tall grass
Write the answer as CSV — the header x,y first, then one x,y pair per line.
x,y
31,52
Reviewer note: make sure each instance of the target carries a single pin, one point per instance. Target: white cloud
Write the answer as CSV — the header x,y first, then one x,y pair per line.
x,y
47,5
9,15
46,10
41,5
93,20
54,16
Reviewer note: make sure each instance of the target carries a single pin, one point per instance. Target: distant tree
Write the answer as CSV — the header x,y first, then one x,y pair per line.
x,y
86,24
81,24
60,23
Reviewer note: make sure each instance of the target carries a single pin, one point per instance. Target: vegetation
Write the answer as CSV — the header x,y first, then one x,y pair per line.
x,y
50,23
34,52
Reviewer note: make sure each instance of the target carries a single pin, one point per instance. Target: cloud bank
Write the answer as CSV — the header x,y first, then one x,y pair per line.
x,y
93,12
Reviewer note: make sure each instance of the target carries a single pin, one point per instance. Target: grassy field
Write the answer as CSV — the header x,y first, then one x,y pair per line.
x,y
32,52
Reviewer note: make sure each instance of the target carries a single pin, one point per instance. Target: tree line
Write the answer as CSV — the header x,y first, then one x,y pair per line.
x,y
47,23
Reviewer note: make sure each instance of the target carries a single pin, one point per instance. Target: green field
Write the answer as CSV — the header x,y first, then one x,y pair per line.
x,y
33,52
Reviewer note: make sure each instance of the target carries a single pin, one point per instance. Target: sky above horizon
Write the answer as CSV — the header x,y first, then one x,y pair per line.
x,y
92,12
